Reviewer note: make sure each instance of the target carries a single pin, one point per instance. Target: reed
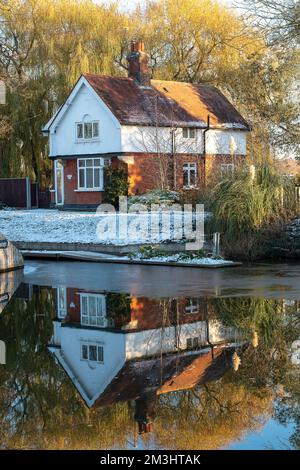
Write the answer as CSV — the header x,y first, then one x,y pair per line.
x,y
244,208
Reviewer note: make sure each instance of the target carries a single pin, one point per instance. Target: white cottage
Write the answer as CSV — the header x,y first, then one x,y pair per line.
x,y
153,129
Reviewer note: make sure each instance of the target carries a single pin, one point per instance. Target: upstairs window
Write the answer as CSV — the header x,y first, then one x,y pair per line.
x,y
87,130
189,175
194,343
189,133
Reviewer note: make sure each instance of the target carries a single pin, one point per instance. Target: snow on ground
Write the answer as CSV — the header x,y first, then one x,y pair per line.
x,y
176,259
49,225
93,256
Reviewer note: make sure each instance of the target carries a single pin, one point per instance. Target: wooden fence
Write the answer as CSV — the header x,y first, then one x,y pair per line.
x,y
22,194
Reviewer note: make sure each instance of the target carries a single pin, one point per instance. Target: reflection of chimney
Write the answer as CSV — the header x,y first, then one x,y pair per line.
x,y
138,64
145,428
145,413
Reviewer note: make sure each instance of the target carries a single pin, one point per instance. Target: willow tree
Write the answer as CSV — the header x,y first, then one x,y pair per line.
x,y
44,47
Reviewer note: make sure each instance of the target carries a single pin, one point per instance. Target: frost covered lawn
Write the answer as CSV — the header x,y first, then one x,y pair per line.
x,y
44,225
177,259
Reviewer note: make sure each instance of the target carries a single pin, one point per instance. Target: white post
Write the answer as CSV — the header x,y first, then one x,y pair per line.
x,y
216,244
297,196
2,353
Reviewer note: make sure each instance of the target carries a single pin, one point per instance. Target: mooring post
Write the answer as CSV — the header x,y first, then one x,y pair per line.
x,y
297,196
2,353
216,244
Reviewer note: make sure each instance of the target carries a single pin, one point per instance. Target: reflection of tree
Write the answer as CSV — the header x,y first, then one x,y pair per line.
x,y
250,314
39,406
287,405
269,365
209,417
118,308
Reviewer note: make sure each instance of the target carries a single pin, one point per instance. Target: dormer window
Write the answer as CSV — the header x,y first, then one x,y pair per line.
x,y
87,130
189,133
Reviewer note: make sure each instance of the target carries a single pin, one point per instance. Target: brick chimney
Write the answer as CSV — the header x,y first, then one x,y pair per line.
x,y
138,64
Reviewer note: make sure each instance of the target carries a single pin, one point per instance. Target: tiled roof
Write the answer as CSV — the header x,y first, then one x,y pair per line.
x,y
166,103
176,372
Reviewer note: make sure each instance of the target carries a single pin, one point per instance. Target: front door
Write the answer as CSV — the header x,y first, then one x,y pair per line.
x,y
59,183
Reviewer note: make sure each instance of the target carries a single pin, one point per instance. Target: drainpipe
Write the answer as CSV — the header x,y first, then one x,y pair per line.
x,y
207,334
173,149
204,134
204,144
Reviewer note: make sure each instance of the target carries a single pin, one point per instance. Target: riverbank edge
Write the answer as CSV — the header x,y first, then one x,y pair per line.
x,y
97,258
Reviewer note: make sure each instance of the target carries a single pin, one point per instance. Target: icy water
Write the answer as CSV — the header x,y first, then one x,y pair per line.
x,y
97,356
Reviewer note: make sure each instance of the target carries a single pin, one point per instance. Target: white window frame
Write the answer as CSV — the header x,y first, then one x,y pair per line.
x,y
189,131
61,311
93,167
196,342
58,166
190,167
227,169
88,345
84,138
193,306
102,323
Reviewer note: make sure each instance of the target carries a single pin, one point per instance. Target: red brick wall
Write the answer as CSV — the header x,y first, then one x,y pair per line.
x,y
150,170
73,298
72,197
213,162
146,313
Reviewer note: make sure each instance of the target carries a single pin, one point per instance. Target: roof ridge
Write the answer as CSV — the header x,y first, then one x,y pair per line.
x,y
152,80
105,76
184,83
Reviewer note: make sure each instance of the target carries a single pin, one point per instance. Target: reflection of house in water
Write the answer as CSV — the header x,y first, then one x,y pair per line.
x,y
119,348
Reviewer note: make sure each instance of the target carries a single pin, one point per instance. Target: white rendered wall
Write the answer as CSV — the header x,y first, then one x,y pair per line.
x,y
63,138
148,139
226,142
153,342
92,376
152,140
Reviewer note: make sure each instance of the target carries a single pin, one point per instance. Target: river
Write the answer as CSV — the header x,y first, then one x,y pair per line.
x,y
108,356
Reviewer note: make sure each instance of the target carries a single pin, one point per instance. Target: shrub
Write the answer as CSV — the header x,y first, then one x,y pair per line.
x,y
156,196
116,185
189,255
147,252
